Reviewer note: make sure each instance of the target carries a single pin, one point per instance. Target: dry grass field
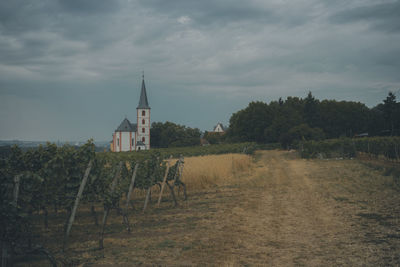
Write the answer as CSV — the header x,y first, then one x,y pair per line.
x,y
215,170
274,210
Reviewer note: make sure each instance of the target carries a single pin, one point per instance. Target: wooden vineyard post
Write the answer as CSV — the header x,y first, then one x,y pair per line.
x,y
107,209
78,197
148,193
146,201
128,197
171,189
178,177
163,183
182,161
179,170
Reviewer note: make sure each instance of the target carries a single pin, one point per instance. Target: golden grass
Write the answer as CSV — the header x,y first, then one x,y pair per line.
x,y
214,170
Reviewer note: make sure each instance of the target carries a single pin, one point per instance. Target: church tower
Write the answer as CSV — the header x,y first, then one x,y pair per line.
x,y
143,121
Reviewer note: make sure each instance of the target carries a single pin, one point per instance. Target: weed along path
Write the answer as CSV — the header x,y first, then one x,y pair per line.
x,y
284,211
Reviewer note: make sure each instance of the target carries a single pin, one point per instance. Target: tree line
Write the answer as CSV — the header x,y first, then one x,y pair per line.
x,y
294,119
289,121
169,134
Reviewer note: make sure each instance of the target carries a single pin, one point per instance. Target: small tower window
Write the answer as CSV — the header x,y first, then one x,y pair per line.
x,y
143,130
143,121
143,139
143,113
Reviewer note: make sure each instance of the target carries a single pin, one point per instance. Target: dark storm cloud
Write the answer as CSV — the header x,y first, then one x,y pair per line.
x,y
24,15
382,16
89,6
71,17
87,55
50,32
222,12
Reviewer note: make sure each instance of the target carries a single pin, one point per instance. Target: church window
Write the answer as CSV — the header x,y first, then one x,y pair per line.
x,y
117,141
143,130
133,141
143,113
143,121
143,139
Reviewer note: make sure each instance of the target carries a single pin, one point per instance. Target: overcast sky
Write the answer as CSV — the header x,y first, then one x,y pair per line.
x,y
71,69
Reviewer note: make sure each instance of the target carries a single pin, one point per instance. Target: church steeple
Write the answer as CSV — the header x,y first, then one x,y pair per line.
x,y
143,103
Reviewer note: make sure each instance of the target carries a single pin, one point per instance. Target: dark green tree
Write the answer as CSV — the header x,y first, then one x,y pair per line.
x,y
169,134
390,112
311,110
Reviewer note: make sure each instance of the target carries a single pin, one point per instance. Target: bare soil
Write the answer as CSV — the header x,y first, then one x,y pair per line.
x,y
287,212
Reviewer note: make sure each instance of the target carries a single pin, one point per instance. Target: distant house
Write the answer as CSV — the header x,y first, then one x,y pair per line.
x,y
219,128
134,136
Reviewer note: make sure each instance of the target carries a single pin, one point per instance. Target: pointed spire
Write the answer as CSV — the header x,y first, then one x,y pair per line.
x,y
143,103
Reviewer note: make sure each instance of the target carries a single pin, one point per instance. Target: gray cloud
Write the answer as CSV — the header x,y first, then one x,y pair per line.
x,y
383,16
211,13
77,64
89,6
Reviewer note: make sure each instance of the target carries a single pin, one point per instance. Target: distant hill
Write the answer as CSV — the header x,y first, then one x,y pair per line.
x,y
5,145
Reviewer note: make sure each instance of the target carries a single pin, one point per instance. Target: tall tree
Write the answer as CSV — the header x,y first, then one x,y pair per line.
x,y
389,111
249,124
311,110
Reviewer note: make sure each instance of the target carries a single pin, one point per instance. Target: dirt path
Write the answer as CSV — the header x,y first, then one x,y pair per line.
x,y
287,212
293,213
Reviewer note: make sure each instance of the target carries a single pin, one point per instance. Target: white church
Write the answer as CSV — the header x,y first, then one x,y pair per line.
x,y
134,136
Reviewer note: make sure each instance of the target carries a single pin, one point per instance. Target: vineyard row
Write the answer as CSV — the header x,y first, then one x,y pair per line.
x,y
387,147
61,178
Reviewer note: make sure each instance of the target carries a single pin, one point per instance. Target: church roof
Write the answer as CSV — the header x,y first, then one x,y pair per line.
x,y
143,103
140,143
126,126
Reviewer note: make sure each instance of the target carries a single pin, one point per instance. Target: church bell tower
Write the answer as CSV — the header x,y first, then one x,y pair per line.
x,y
143,120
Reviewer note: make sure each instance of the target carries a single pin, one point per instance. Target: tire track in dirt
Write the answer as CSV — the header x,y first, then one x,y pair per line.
x,y
295,212
288,221
295,220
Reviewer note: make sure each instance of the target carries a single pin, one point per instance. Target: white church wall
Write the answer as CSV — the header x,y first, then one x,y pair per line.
x,y
125,141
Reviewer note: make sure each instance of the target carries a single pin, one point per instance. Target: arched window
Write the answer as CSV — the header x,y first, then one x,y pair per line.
x,y
143,113
143,139
143,121
143,130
